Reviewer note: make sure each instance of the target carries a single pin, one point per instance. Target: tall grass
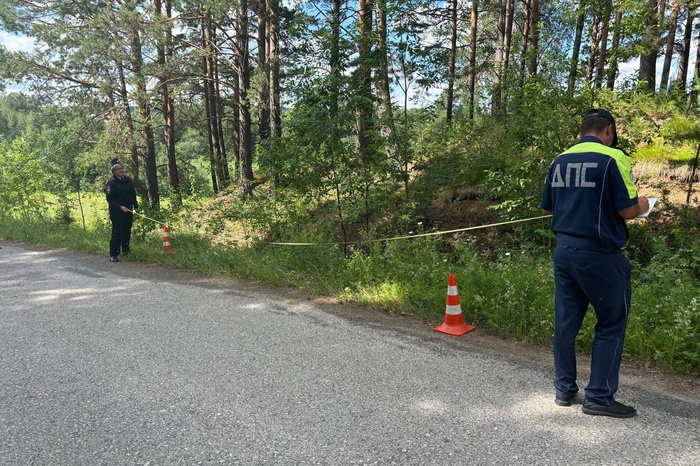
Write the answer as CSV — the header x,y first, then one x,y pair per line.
x,y
509,294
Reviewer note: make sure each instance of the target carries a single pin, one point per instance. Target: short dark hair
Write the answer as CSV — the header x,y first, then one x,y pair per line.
x,y
594,125
596,120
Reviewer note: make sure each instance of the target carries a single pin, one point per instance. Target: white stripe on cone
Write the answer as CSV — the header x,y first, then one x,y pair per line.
x,y
453,310
452,290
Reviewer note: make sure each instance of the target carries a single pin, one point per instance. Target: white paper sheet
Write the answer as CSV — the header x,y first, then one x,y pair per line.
x,y
652,202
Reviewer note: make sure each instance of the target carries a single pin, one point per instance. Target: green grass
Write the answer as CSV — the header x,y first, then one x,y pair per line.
x,y
678,152
510,295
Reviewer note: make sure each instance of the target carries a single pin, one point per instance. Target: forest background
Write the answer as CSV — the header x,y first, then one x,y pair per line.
x,y
363,133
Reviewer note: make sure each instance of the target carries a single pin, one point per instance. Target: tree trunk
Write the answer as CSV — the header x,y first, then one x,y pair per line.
x,y
219,175
384,108
602,53
510,9
364,102
526,40
502,55
647,59
219,115
263,96
236,123
670,42
573,67
534,35
165,49
363,108
499,58
472,56
245,147
615,49
684,58
336,71
274,68
451,67
593,56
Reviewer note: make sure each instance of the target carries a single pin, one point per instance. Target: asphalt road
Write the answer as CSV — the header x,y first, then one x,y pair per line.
x,y
129,364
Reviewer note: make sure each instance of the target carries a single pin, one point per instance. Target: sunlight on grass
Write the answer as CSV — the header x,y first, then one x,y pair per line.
x,y
682,152
384,295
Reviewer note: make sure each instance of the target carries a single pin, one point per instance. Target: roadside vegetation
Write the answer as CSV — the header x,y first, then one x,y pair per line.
x,y
503,272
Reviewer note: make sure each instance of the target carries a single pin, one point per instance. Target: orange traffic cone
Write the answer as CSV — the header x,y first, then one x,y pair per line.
x,y
166,240
454,322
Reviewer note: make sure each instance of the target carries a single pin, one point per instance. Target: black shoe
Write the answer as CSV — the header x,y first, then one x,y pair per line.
x,y
113,259
564,400
616,409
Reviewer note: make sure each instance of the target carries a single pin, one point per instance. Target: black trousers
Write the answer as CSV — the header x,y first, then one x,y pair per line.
x,y
121,232
603,281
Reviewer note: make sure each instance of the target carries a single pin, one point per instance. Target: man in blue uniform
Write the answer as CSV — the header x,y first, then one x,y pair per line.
x,y
590,192
121,197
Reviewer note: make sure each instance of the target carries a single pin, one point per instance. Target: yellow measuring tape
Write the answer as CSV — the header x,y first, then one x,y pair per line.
x,y
149,218
435,233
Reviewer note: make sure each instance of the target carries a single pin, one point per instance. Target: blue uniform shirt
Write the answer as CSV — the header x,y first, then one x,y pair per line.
x,y
586,187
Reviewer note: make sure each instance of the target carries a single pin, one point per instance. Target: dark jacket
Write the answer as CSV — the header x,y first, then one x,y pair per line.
x,y
121,192
586,187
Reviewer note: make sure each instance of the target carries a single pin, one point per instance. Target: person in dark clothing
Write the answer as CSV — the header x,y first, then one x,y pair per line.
x,y
121,197
590,192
